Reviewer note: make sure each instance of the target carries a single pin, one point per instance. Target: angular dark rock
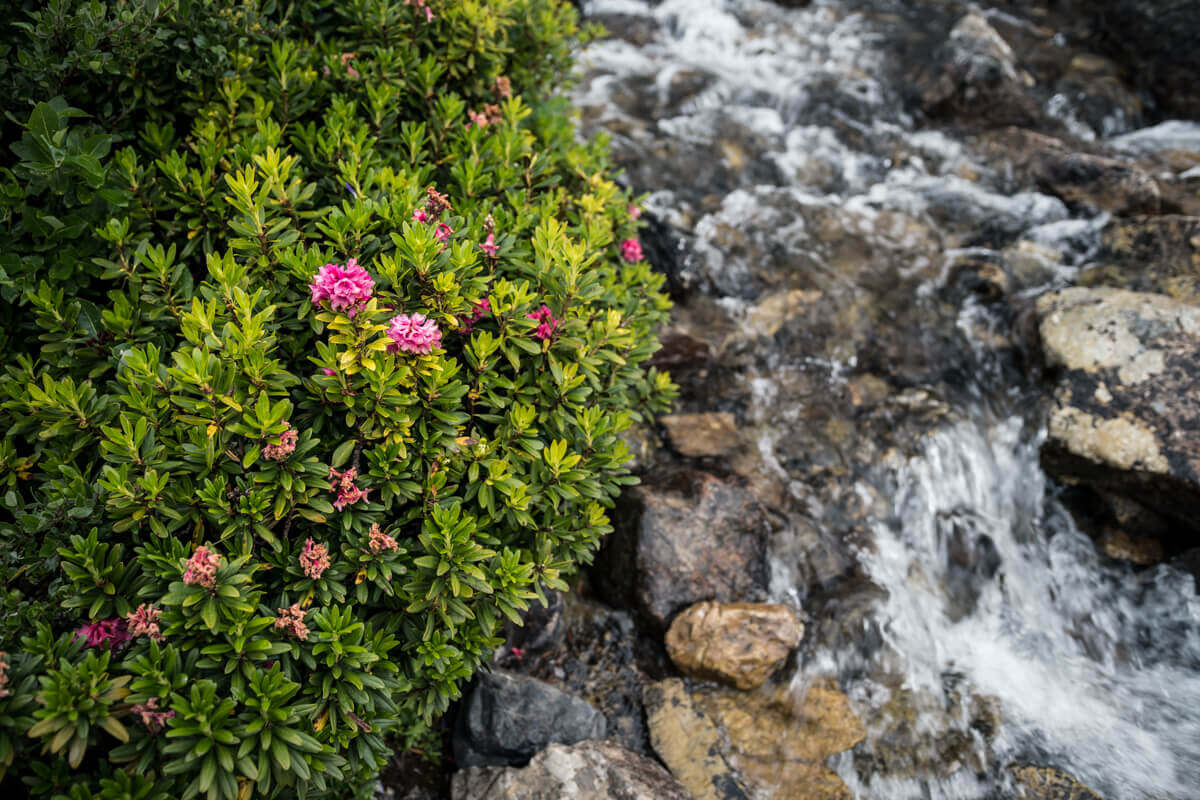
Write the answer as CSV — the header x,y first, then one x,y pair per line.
x,y
509,717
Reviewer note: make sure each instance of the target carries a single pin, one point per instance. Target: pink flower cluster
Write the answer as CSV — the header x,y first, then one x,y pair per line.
x,y
416,334
4,692
291,620
347,288
631,250
502,87
110,633
151,717
342,484
314,558
548,324
479,311
287,444
491,113
443,232
144,622
380,542
634,211
422,7
202,568
489,245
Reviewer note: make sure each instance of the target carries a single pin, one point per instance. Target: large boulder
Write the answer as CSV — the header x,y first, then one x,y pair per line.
x,y
736,643
692,538
1125,419
509,717
586,771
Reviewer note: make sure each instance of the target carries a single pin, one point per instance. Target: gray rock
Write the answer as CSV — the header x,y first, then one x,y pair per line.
x,y
586,771
692,538
510,717
1125,419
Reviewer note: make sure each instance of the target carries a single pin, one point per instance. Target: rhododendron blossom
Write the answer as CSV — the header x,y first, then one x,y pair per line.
x,y
4,692
631,250
415,334
202,568
634,211
314,558
380,542
443,232
286,446
111,633
479,310
291,620
144,622
489,245
148,712
420,215
342,484
548,323
346,288
329,372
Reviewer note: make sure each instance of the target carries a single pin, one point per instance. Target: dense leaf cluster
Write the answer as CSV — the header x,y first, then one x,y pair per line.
x,y
246,544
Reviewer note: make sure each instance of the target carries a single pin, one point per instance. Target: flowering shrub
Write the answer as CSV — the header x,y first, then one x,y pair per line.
x,y
321,338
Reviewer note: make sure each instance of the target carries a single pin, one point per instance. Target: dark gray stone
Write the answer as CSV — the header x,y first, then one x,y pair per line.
x,y
509,717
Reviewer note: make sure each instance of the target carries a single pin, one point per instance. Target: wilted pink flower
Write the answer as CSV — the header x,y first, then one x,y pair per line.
x,y
4,692
548,323
443,232
351,71
420,215
314,558
342,484
202,568
631,250
287,444
346,288
477,118
111,633
348,497
479,310
329,372
502,87
436,203
151,717
291,620
144,622
489,245
380,542
416,334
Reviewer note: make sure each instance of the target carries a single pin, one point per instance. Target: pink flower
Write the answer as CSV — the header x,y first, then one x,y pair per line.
x,y
489,245
351,71
144,622
287,444
4,692
329,372
631,250
151,717
108,632
348,497
416,334
502,87
380,542
421,6
479,309
202,568
634,212
291,620
477,118
314,558
443,232
548,323
342,484
420,215
346,288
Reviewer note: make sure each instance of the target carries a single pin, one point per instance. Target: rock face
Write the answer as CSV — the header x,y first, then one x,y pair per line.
x,y
736,643
726,745
510,717
586,771
1150,254
1046,783
1124,419
693,538
701,435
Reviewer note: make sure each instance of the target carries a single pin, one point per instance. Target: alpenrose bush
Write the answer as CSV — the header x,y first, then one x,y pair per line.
x,y
316,370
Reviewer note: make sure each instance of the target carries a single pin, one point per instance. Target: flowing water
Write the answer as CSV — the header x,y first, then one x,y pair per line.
x,y
816,228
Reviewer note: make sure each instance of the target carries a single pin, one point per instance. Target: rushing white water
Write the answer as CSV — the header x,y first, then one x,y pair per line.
x,y
1004,638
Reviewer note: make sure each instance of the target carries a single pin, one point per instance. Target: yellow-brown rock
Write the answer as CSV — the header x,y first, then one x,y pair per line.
x,y
701,435
689,744
1046,783
736,643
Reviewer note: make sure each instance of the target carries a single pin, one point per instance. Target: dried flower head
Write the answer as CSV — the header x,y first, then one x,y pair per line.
x,y
202,568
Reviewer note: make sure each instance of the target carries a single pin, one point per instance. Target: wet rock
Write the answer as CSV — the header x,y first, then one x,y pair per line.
x,y
693,537
701,435
779,741
1140,550
1047,783
585,771
1158,254
736,643
975,75
509,717
1123,420
689,743
1094,89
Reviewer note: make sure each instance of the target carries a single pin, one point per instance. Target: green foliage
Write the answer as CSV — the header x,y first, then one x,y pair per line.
x,y
284,544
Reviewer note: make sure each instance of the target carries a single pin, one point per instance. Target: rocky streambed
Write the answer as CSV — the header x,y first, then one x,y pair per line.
x,y
925,523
